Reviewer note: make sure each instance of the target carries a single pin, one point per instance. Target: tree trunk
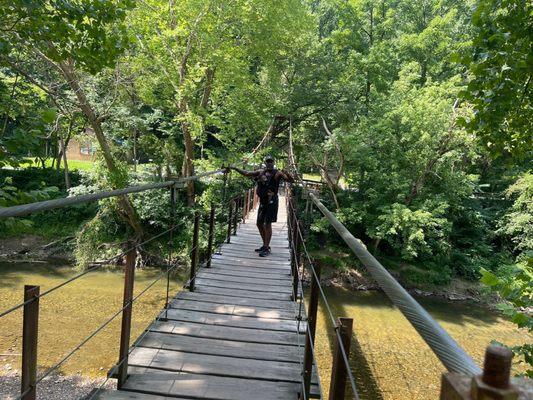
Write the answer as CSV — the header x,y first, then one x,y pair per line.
x,y
188,166
64,153
127,208
209,76
135,150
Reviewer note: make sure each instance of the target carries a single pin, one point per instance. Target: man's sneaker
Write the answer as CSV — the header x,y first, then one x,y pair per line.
x,y
265,252
260,249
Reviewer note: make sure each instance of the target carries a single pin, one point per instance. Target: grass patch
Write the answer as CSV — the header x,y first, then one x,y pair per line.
x,y
73,165
312,177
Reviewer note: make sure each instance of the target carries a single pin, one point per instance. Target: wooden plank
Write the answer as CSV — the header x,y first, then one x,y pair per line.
x,y
245,272
235,337
254,269
242,301
244,279
251,254
231,309
125,395
257,261
209,387
198,386
228,333
245,286
220,347
243,293
214,365
233,320
252,244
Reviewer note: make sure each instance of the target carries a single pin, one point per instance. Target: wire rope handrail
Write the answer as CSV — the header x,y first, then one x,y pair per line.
x,y
314,276
30,208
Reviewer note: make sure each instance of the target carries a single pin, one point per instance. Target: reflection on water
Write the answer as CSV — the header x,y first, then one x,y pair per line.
x,y
389,358
71,313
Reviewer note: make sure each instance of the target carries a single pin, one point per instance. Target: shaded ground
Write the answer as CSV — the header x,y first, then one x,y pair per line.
x,y
57,387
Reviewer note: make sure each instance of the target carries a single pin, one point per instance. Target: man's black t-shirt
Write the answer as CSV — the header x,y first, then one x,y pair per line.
x,y
267,183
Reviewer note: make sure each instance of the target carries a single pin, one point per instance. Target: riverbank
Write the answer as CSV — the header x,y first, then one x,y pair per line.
x,y
359,280
36,249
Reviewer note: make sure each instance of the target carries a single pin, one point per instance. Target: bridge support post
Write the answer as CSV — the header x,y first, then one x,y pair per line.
x,y
494,383
211,236
194,254
343,338
311,329
30,326
230,218
296,261
129,278
245,207
235,215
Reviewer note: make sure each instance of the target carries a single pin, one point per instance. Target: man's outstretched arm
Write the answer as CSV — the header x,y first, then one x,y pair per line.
x,y
285,175
249,174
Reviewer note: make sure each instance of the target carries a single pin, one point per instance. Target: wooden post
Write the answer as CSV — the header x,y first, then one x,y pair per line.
x,y
30,330
211,236
235,216
194,255
224,184
296,261
338,372
494,383
310,337
170,242
228,237
129,278
245,207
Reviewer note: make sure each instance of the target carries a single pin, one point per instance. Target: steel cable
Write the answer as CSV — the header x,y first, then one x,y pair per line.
x,y
30,208
328,308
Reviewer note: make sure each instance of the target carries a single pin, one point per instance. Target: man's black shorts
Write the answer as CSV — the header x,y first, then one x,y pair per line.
x,y
268,212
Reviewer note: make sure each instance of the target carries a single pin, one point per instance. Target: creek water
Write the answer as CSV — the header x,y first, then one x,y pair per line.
x,y
389,358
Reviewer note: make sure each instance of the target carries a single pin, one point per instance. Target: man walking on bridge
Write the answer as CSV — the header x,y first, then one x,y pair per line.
x,y
267,190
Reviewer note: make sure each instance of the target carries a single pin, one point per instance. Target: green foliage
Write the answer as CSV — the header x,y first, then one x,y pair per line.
x,y
501,65
513,284
36,178
413,234
93,239
440,276
82,30
518,222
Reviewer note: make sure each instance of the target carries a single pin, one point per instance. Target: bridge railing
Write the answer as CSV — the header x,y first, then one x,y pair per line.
x,y
341,371
221,226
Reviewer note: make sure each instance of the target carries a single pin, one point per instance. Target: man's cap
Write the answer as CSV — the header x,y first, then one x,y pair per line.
x,y
269,158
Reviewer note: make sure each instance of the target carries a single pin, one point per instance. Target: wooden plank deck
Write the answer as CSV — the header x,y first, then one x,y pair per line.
x,y
235,337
